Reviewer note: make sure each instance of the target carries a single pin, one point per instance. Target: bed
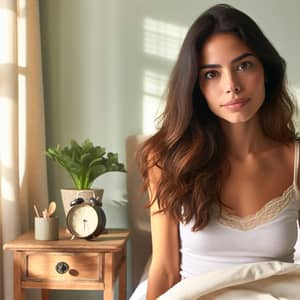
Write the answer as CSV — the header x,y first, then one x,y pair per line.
x,y
140,229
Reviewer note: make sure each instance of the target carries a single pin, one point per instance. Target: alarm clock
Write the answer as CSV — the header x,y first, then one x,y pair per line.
x,y
85,220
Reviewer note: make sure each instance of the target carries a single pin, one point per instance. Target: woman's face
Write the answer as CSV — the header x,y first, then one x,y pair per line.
x,y
231,78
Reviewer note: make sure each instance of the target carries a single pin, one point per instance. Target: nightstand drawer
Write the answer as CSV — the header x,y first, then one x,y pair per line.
x,y
63,266
67,264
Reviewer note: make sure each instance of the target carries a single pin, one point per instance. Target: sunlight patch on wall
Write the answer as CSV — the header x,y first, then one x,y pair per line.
x,y
296,92
162,39
154,83
13,98
7,33
22,84
7,117
151,110
22,49
7,153
22,125
22,92
7,190
153,105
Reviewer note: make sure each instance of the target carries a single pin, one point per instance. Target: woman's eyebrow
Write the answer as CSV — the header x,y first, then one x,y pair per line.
x,y
238,58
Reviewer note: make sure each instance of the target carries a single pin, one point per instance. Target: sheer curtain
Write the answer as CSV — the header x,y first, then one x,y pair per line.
x,y
23,179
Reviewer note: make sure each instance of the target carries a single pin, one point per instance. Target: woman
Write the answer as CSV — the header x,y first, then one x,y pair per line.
x,y
222,169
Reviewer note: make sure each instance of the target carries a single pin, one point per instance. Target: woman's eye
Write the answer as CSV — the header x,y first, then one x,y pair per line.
x,y
210,74
244,66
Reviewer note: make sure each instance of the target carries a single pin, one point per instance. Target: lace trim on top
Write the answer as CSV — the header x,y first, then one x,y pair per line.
x,y
268,212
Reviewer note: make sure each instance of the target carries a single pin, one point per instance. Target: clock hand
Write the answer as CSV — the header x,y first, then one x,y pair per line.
x,y
84,224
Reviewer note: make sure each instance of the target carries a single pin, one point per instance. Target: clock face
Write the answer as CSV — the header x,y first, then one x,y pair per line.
x,y
82,220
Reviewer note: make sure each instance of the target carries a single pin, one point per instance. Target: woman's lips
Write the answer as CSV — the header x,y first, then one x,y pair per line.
x,y
236,104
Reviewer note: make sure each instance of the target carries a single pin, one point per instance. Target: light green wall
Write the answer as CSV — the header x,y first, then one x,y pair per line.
x,y
99,73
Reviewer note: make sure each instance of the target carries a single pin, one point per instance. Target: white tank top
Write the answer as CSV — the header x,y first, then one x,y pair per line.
x,y
227,240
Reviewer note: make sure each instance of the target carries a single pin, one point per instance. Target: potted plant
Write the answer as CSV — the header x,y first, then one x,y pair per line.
x,y
84,163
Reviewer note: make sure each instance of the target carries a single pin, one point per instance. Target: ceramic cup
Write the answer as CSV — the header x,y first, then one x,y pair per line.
x,y
46,229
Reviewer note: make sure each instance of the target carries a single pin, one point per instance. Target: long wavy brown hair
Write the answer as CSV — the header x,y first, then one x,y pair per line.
x,y
190,148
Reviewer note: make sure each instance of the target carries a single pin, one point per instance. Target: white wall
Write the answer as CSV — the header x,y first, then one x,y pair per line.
x,y
105,66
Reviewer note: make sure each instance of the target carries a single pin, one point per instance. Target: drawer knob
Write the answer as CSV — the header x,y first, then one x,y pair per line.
x,y
62,267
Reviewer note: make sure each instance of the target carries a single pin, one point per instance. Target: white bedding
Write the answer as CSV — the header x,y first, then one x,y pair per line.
x,y
140,291
255,281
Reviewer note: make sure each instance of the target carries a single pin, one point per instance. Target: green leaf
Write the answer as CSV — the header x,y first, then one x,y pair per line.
x,y
96,171
96,161
84,162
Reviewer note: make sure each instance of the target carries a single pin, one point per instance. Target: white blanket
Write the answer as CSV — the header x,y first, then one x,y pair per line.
x,y
256,281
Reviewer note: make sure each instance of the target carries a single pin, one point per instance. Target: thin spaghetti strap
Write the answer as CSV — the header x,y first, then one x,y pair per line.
x,y
296,162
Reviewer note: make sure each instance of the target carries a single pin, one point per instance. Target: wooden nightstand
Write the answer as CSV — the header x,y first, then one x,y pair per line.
x,y
70,265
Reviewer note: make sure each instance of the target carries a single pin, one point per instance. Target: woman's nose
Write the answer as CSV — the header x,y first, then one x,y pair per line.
x,y
234,89
231,83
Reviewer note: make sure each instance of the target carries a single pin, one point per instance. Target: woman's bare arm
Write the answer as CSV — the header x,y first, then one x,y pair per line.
x,y
164,268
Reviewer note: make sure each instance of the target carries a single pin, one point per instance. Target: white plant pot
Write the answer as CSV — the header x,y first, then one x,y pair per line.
x,y
69,195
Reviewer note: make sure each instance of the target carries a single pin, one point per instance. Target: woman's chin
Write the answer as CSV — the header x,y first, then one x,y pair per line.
x,y
237,119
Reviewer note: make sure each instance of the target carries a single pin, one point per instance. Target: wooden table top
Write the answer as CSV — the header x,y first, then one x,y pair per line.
x,y
111,240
